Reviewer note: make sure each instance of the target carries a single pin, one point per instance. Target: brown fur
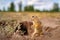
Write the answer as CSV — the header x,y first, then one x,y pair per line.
x,y
37,26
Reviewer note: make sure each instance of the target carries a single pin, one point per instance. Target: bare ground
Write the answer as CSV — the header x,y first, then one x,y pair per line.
x,y
47,20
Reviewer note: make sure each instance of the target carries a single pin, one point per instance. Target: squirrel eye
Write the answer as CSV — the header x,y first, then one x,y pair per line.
x,y
32,16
